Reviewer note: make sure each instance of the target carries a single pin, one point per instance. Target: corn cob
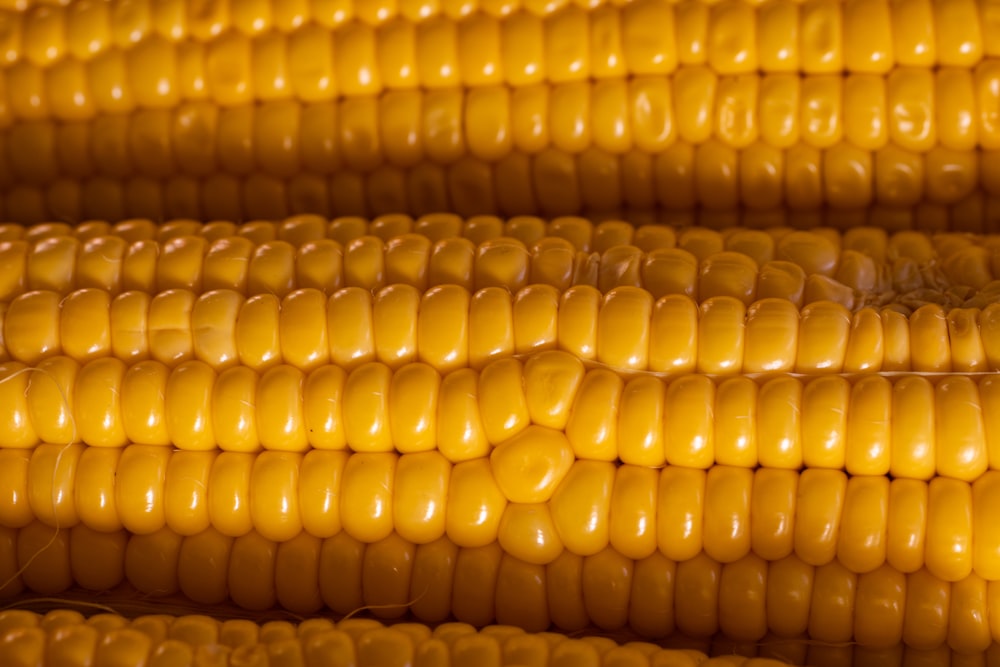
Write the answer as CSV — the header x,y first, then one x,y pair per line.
x,y
62,261
531,487
761,245
449,328
603,120
801,268
772,122
841,187
108,639
139,62
647,115
653,597
859,269
164,640
469,189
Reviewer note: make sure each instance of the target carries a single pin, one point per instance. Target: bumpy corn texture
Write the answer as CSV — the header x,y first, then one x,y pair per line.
x,y
551,401
71,63
163,110
164,640
747,600
759,118
103,640
343,416
801,267
449,328
535,506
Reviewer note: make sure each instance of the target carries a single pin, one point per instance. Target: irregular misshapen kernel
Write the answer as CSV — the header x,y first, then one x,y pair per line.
x,y
529,466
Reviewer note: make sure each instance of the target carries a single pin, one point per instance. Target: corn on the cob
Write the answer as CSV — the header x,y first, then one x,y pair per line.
x,y
92,253
762,114
533,498
109,639
801,268
448,328
111,68
757,115
584,235
842,187
161,640
746,600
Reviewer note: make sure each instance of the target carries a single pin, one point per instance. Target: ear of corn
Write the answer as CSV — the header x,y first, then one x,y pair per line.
x,y
310,326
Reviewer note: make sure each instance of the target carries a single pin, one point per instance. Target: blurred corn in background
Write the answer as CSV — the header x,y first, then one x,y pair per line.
x,y
735,112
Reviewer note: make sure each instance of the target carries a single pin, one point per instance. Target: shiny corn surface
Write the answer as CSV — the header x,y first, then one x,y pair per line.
x,y
787,602
575,321
109,57
102,640
552,401
536,509
449,328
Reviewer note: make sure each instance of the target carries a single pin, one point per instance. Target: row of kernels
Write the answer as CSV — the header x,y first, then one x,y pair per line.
x,y
801,267
863,522
572,43
842,188
449,327
559,505
818,250
160,640
653,596
584,234
909,113
44,33
782,422
819,245
181,197
64,264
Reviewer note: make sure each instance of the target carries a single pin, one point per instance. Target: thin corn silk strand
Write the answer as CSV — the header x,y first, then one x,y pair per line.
x,y
55,470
